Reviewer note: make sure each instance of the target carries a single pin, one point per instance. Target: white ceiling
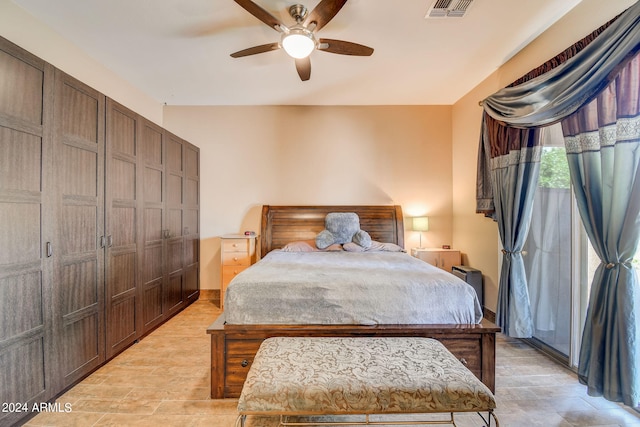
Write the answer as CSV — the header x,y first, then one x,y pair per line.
x,y
177,51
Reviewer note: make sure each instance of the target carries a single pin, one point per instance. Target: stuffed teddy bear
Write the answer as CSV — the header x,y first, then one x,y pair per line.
x,y
342,227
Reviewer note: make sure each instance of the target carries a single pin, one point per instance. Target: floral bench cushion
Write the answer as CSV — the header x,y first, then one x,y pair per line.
x,y
316,376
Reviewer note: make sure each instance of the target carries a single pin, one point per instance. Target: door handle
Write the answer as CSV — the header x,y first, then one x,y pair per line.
x,y
49,250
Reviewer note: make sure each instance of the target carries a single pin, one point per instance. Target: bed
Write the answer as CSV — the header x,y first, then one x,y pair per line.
x,y
234,343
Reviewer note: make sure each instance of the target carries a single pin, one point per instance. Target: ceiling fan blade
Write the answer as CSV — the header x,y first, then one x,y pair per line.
x,y
262,14
303,66
256,49
323,13
344,48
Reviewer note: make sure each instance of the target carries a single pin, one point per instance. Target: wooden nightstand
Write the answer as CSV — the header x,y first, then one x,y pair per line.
x,y
441,258
237,252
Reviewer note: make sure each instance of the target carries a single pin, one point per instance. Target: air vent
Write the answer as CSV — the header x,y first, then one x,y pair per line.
x,y
449,8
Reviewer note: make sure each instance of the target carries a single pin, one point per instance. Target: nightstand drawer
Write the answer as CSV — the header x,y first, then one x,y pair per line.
x,y
236,258
228,273
236,245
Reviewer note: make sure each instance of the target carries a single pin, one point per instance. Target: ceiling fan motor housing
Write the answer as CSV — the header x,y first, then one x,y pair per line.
x,y
298,12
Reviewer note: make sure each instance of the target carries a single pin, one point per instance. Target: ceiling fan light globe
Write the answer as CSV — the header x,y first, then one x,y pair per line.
x,y
298,44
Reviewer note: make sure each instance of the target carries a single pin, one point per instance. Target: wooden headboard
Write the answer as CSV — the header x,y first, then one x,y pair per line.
x,y
283,224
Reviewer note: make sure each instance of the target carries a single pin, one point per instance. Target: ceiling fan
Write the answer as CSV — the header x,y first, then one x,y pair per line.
x,y
299,40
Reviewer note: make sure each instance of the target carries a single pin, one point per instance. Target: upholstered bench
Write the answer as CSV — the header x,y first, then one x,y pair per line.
x,y
296,376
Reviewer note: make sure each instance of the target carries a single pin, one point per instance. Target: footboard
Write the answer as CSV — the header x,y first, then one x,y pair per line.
x,y
233,347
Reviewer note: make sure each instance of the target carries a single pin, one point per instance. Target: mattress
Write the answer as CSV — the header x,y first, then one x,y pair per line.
x,y
348,288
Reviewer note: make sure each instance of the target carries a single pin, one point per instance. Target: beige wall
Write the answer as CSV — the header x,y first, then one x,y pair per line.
x,y
316,155
475,235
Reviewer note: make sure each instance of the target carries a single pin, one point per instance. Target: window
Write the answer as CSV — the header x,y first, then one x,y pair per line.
x,y
556,256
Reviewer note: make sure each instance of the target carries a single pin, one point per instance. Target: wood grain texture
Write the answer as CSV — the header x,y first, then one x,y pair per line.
x,y
191,222
27,223
151,159
283,224
122,225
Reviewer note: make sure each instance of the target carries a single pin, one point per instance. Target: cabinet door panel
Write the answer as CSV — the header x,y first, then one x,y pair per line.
x,y
20,242
25,357
152,185
79,286
152,200
152,144
84,345
20,160
122,189
153,225
152,304
79,168
174,294
175,223
191,192
27,218
21,87
192,282
175,252
191,218
122,332
24,318
174,149
122,129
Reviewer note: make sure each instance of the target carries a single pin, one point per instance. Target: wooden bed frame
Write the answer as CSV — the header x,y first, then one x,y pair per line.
x,y
234,346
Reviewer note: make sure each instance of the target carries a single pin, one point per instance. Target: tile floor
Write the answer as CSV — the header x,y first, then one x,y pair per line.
x,y
164,381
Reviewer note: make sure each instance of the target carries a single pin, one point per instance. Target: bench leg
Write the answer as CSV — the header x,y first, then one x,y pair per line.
x,y
488,419
493,414
285,422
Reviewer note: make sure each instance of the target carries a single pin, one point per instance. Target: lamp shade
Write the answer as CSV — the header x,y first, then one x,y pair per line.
x,y
420,223
298,43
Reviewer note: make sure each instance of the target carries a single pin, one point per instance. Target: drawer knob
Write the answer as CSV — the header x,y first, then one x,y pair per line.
x,y
244,363
235,258
235,245
464,361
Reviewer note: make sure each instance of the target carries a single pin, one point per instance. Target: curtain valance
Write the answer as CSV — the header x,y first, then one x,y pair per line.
x,y
548,98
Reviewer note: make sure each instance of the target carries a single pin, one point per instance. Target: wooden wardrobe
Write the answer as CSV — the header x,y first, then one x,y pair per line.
x,y
99,229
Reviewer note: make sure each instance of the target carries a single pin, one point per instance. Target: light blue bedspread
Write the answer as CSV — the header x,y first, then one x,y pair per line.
x,y
350,288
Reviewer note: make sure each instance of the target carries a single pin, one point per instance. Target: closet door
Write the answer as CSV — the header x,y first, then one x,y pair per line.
x,y
191,212
79,170
153,198
122,190
26,230
173,237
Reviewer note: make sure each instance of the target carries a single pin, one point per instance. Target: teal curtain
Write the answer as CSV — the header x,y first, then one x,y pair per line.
x,y
595,94
515,168
603,149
